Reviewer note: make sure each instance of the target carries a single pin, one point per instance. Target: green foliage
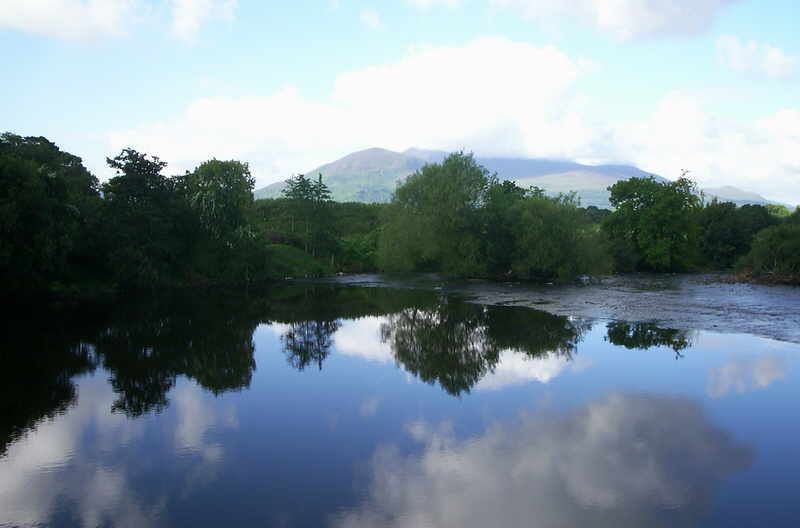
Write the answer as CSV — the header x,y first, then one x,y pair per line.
x,y
47,200
310,216
147,231
652,226
778,210
454,217
725,231
776,251
500,219
288,261
147,225
553,241
221,194
435,217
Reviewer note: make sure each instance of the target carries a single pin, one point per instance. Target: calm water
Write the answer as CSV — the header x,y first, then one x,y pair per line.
x,y
351,407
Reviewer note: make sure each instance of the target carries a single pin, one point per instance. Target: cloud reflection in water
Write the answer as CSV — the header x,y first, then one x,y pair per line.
x,y
623,460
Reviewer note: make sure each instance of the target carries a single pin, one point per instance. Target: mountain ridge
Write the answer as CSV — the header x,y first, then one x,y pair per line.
x,y
372,174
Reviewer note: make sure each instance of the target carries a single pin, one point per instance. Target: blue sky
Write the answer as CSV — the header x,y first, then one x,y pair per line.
x,y
706,85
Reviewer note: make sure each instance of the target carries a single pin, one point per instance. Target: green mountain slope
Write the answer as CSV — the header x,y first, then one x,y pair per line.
x,y
372,175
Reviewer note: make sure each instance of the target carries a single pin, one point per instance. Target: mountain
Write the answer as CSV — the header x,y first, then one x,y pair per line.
x,y
728,193
371,175
364,176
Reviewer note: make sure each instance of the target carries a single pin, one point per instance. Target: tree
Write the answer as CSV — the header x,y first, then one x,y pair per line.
x,y
776,252
499,219
434,221
147,223
553,240
48,201
221,194
653,225
311,207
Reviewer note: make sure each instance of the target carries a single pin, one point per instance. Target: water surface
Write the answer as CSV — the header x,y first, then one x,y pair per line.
x,y
323,405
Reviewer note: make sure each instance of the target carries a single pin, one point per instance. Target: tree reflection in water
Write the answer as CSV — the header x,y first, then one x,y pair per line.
x,y
208,338
646,335
456,344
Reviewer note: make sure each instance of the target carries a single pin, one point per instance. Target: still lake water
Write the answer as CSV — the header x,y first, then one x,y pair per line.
x,y
352,407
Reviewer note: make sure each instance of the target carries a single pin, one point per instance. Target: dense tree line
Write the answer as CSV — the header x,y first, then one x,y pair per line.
x,y
63,231
668,227
456,218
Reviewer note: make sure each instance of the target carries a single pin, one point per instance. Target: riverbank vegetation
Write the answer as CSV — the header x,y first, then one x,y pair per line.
x,y
63,232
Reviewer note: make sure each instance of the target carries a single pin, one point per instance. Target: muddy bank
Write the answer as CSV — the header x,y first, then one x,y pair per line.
x,y
688,302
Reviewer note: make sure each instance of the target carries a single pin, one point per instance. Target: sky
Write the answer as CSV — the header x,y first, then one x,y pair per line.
x,y
710,86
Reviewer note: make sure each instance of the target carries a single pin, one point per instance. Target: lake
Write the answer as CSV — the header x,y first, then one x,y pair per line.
x,y
348,406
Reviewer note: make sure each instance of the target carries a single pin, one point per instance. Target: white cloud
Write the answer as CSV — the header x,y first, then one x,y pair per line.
x,y
189,15
755,58
492,96
70,19
361,338
70,462
680,133
370,18
517,368
608,463
745,376
47,466
425,5
625,19
489,95
89,19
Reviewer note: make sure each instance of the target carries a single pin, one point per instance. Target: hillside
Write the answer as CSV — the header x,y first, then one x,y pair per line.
x,y
371,176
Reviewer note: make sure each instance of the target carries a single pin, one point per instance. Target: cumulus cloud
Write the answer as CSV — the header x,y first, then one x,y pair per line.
x,y
741,377
492,96
623,460
755,58
680,133
626,19
70,19
189,15
89,19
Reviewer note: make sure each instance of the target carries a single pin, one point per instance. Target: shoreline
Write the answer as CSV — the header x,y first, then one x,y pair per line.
x,y
686,302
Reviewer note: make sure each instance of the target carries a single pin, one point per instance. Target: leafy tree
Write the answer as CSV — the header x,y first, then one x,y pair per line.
x,y
725,231
147,223
499,219
434,221
653,225
554,241
48,201
778,210
221,194
310,200
776,252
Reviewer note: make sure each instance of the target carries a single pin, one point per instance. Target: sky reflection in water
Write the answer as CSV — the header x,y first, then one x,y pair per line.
x,y
352,407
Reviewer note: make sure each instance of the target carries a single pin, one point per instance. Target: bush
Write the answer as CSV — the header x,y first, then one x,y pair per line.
x,y
775,251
